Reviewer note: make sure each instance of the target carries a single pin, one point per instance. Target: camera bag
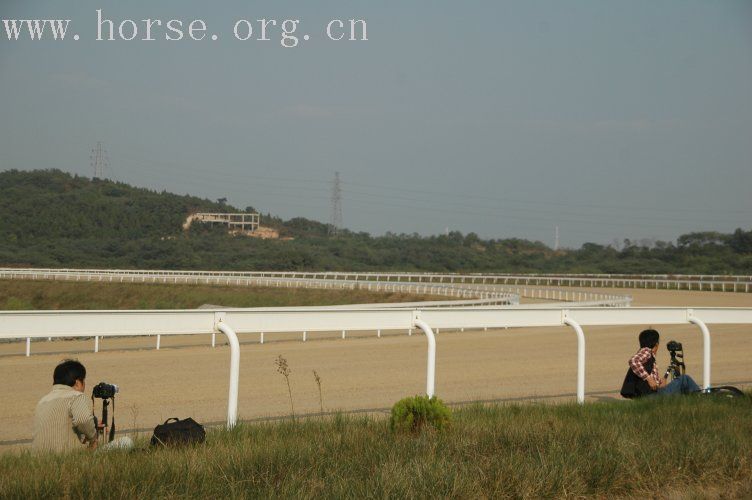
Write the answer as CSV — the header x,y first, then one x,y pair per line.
x,y
178,432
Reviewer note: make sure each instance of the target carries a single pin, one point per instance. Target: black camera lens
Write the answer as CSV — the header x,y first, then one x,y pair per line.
x,y
673,346
103,390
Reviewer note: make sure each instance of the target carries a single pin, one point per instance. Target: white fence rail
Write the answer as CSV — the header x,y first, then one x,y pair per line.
x,y
682,277
715,283
44,324
470,286
678,282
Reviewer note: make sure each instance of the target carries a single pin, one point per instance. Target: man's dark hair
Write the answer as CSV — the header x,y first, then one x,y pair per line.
x,y
649,338
68,372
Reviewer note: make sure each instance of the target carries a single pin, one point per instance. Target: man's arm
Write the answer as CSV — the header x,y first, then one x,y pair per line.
x,y
83,420
657,376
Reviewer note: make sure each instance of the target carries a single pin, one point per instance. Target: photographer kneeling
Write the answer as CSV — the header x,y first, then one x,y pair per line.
x,y
643,378
63,419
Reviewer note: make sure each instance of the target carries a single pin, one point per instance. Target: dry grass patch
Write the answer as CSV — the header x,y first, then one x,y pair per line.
x,y
22,295
668,448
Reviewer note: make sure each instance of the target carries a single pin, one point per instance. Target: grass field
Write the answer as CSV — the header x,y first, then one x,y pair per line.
x,y
683,447
27,295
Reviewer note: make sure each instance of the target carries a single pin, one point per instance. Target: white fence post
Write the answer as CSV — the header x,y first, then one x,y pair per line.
x,y
159,341
28,346
580,355
232,338
431,367
705,347
96,343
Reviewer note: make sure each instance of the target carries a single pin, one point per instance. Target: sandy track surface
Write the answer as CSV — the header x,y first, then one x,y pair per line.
x,y
361,372
683,298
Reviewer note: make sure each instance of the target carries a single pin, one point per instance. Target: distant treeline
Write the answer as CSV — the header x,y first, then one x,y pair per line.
x,y
53,219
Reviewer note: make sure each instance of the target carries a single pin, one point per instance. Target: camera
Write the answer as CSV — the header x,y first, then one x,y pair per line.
x,y
674,346
676,367
103,390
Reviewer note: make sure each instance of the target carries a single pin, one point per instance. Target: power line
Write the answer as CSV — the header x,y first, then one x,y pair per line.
x,y
508,215
551,203
505,209
433,194
202,180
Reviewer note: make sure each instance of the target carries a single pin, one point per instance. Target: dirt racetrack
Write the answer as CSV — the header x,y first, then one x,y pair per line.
x,y
361,372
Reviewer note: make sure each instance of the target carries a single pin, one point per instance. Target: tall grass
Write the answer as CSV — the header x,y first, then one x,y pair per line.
x,y
673,447
17,295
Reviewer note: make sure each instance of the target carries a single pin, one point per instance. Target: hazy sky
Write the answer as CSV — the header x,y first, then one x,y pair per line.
x,y
610,119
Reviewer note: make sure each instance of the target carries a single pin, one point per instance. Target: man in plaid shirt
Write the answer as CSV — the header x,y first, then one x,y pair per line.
x,y
643,378
637,365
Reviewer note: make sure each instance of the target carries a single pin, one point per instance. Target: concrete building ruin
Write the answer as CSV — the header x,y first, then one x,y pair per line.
x,y
234,221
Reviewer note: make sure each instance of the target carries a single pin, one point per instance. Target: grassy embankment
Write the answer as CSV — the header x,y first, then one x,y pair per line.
x,y
20,295
674,448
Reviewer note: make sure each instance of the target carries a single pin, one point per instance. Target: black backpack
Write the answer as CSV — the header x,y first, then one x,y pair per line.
x,y
179,432
727,391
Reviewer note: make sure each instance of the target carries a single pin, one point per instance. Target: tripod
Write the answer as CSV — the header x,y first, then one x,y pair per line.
x,y
102,424
676,367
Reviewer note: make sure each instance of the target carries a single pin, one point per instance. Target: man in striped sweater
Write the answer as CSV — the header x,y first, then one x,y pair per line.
x,y
63,419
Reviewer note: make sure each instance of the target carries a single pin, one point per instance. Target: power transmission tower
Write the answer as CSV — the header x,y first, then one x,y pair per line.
x,y
556,239
335,223
99,160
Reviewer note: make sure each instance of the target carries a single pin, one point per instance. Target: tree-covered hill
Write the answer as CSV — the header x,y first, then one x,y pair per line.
x,y
51,218
51,204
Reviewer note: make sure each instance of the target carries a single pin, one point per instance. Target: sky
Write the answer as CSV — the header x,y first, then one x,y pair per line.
x,y
609,119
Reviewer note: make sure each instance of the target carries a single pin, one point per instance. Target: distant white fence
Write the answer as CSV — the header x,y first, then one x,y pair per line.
x,y
699,282
44,324
713,283
682,277
459,286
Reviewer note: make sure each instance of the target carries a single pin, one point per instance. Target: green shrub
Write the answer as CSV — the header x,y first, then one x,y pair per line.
x,y
412,414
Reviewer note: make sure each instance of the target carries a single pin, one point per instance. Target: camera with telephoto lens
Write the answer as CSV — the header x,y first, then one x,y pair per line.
x,y
676,367
673,346
103,390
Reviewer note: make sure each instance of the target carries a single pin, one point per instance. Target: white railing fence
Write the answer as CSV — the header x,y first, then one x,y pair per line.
x,y
46,324
677,276
669,282
483,295
459,286
714,283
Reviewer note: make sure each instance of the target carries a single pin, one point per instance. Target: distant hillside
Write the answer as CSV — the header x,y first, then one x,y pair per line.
x,y
52,204
51,218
